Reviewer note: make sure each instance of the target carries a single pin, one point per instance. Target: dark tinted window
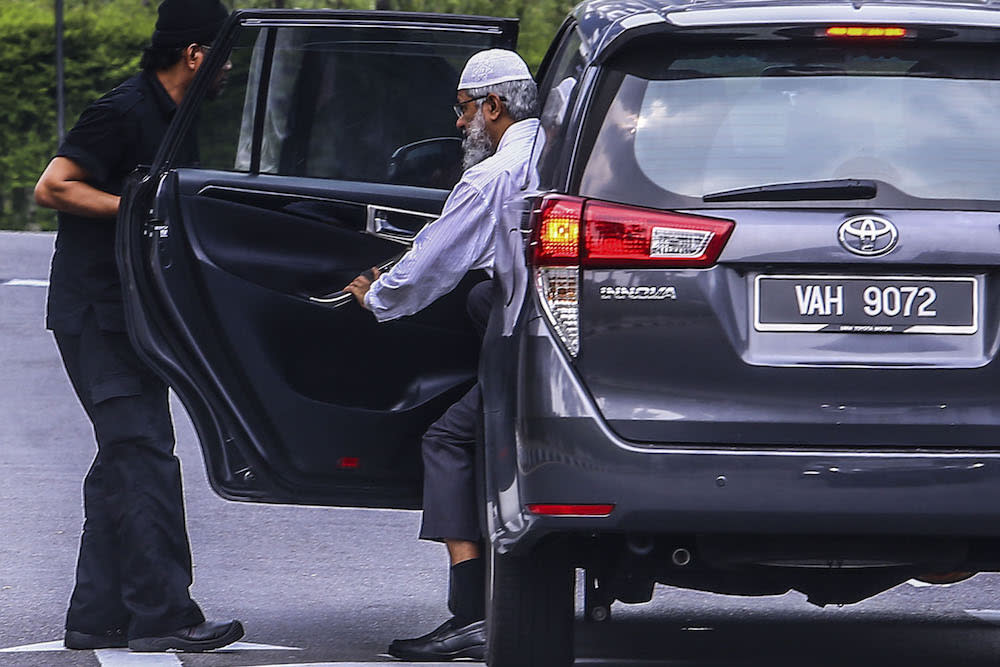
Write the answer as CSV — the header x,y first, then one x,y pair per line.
x,y
557,92
343,100
703,119
347,102
220,120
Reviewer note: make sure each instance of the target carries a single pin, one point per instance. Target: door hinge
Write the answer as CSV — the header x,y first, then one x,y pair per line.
x,y
156,229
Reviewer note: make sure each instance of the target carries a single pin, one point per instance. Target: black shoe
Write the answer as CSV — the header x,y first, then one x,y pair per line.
x,y
81,641
193,639
448,641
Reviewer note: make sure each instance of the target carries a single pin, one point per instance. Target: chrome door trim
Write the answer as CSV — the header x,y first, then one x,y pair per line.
x,y
209,189
342,298
378,225
373,23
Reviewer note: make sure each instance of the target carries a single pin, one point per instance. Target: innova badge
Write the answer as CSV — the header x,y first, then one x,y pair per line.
x,y
868,235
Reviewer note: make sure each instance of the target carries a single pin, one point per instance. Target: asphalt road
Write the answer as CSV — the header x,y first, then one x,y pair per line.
x,y
334,586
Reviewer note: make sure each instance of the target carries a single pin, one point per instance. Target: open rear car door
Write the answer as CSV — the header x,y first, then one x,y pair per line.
x,y
331,145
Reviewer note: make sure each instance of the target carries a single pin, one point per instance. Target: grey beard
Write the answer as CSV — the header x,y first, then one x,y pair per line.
x,y
476,146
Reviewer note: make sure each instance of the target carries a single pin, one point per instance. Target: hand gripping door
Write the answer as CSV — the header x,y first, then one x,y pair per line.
x,y
331,144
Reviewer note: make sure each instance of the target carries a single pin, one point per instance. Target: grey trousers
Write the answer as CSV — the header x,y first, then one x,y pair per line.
x,y
449,451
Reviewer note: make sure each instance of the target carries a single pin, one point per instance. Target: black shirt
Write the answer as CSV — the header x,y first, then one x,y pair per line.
x,y
114,135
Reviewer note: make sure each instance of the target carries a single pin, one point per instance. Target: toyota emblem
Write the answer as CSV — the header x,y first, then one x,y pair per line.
x,y
868,235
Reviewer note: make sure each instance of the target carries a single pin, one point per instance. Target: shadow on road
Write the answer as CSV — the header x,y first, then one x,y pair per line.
x,y
780,640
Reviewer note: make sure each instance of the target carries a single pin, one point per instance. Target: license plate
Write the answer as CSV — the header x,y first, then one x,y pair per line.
x,y
860,304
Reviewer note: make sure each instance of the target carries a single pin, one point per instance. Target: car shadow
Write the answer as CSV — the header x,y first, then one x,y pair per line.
x,y
788,639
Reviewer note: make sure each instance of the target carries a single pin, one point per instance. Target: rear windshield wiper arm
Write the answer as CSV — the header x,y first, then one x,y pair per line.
x,y
835,189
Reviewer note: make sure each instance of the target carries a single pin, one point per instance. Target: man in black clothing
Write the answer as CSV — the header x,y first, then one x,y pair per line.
x,y
134,567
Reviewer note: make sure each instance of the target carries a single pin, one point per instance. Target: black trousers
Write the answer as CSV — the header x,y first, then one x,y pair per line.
x,y
134,567
449,452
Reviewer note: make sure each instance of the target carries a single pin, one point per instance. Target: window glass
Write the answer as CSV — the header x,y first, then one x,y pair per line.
x,y
557,92
921,120
224,113
365,104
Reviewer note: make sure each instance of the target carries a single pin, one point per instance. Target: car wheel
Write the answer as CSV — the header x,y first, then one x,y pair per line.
x,y
529,615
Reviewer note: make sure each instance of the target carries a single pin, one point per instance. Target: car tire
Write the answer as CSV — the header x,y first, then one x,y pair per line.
x,y
529,611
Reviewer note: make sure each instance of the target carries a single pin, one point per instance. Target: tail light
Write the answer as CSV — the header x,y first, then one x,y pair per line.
x,y
557,231
624,236
556,258
571,233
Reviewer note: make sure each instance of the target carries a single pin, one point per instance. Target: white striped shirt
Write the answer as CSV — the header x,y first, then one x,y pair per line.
x,y
463,238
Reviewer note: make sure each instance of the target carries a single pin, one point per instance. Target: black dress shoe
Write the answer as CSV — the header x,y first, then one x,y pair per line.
x,y
193,639
81,641
448,641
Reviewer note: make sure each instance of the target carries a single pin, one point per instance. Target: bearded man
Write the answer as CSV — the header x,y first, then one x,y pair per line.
x,y
497,109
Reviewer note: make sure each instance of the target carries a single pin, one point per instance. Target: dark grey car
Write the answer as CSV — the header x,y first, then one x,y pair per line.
x,y
749,326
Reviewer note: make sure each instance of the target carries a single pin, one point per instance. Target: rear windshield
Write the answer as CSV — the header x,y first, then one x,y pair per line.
x,y
682,123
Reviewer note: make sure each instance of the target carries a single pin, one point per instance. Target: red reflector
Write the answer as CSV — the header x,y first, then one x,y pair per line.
x,y
865,31
349,462
623,236
571,510
557,231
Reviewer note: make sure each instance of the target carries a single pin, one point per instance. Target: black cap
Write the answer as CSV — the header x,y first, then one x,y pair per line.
x,y
183,22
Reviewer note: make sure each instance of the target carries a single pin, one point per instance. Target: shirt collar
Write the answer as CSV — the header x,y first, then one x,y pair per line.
x,y
164,102
522,130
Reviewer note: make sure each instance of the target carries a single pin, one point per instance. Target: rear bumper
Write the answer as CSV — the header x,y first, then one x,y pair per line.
x,y
566,454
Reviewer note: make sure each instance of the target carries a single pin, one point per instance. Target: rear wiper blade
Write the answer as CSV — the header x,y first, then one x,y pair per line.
x,y
835,189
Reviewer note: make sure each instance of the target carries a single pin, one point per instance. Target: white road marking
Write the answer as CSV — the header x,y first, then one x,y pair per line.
x,y
916,583
36,648
122,657
396,663
247,646
988,615
113,656
24,282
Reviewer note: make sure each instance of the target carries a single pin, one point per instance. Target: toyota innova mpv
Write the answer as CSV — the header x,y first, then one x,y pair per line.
x,y
749,302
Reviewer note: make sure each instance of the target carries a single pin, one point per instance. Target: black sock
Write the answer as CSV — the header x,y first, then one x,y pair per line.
x,y
467,591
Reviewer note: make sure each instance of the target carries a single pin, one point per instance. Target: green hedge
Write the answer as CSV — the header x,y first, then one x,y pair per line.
x,y
102,45
103,41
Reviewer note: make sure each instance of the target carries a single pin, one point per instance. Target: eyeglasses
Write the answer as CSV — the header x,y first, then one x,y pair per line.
x,y
205,48
460,106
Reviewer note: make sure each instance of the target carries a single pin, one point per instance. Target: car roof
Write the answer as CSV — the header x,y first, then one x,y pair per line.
x,y
601,22
608,11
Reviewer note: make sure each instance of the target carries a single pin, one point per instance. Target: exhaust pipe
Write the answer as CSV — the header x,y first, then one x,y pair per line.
x,y
681,557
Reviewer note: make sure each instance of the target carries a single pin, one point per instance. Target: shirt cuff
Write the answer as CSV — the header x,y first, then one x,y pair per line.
x,y
373,303
381,312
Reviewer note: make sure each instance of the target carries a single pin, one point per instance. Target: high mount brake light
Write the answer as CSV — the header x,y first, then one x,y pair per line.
x,y
869,31
571,233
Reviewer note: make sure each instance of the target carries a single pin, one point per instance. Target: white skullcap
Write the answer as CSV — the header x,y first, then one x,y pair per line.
x,y
488,68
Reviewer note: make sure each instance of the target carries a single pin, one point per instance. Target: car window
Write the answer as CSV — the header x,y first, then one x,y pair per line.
x,y
557,91
359,104
709,119
219,123
356,103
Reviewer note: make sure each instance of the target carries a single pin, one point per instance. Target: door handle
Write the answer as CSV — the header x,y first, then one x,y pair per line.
x,y
340,297
379,224
333,299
